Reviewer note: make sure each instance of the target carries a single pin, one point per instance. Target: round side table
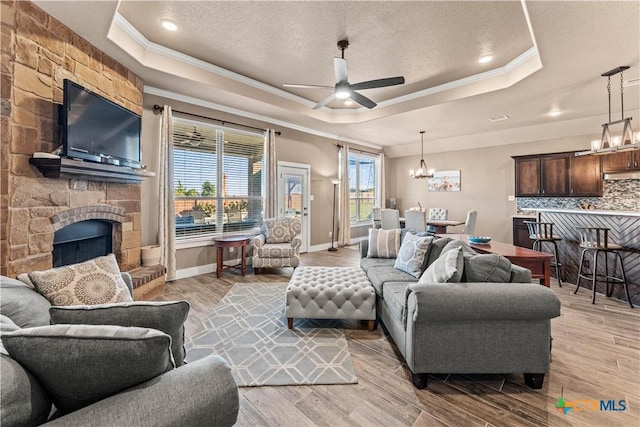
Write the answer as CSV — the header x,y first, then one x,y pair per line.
x,y
231,242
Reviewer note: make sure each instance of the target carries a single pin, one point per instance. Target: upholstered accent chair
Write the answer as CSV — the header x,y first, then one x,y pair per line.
x,y
278,245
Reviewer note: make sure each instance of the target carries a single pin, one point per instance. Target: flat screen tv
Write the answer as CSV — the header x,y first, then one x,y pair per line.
x,y
98,130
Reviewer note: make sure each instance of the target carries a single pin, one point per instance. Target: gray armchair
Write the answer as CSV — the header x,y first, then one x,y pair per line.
x,y
278,245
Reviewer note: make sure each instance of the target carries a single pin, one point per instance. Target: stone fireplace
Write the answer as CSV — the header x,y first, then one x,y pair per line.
x,y
38,55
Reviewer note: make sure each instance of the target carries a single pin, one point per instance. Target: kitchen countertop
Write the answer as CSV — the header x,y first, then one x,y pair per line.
x,y
588,211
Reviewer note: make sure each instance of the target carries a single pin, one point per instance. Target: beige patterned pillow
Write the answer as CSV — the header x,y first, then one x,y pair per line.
x,y
97,281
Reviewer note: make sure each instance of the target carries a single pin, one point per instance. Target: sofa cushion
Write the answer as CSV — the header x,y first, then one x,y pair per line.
x,y
447,268
378,276
435,248
412,253
81,364
276,250
24,401
487,268
466,249
277,230
23,305
394,298
367,263
168,317
383,243
97,281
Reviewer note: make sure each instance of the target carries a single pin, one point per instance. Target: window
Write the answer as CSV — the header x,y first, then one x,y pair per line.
x,y
363,186
218,179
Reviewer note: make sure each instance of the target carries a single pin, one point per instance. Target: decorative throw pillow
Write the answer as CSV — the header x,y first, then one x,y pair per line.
x,y
464,246
383,243
277,231
446,269
23,305
168,317
412,254
82,364
487,268
97,281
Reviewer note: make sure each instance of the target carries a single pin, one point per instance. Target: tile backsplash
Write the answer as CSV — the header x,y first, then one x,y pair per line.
x,y
617,195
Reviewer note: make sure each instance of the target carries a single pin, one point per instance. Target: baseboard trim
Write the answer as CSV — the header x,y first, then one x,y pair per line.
x,y
195,271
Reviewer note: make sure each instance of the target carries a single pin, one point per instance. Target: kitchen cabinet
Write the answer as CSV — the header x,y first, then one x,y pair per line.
x,y
554,175
558,175
521,232
585,176
528,176
621,162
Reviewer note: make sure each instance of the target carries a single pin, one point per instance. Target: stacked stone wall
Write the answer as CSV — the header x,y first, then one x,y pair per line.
x,y
37,54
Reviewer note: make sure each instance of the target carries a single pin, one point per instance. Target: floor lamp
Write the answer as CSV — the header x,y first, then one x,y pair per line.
x,y
335,183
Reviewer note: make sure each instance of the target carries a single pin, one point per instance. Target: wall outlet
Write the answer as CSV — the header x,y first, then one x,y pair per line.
x,y
511,198
232,250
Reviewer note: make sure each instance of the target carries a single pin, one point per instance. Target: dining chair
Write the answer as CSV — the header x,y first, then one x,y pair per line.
x,y
390,218
470,223
437,214
415,220
376,218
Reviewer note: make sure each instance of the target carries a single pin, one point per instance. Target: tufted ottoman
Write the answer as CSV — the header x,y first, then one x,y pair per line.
x,y
330,293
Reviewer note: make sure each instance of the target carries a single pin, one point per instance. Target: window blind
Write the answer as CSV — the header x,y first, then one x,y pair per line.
x,y
218,179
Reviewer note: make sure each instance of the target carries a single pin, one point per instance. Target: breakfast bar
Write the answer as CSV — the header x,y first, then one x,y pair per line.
x,y
624,229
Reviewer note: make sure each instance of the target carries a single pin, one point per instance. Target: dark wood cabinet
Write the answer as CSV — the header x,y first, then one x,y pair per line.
x,y
554,174
558,175
621,162
521,232
586,176
528,176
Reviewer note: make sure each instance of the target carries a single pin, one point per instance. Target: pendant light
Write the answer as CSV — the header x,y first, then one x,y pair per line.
x,y
627,140
422,171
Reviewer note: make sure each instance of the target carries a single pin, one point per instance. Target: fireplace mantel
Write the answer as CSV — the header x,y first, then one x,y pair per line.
x,y
66,168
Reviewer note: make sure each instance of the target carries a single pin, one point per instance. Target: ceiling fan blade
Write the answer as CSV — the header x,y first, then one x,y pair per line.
x,y
370,84
308,86
325,101
340,69
362,100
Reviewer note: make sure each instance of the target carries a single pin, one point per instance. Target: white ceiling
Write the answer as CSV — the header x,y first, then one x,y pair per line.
x,y
235,56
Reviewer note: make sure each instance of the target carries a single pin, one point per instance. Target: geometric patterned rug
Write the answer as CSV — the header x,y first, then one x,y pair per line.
x,y
248,328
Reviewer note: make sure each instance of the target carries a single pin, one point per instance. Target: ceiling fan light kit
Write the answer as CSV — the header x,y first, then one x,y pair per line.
x,y
343,89
627,140
422,171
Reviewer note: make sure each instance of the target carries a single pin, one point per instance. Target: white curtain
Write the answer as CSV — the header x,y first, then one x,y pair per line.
x,y
344,217
167,218
382,160
270,174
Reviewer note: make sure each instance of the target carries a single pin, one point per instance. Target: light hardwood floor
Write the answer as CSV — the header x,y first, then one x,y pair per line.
x,y
595,356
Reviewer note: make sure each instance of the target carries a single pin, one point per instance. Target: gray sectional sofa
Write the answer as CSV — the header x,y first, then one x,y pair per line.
x,y
465,327
199,393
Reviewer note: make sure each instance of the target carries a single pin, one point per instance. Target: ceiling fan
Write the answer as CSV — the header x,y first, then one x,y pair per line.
x,y
343,89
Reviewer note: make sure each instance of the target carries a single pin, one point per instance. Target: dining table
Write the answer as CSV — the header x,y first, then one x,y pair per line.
x,y
440,225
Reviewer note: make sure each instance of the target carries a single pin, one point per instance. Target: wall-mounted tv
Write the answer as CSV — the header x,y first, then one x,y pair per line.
x,y
98,130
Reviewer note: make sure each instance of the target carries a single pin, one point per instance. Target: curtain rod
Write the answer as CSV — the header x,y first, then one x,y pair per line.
x,y
362,151
158,108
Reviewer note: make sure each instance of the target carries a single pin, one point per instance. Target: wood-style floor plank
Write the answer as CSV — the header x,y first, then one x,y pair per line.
x,y
596,355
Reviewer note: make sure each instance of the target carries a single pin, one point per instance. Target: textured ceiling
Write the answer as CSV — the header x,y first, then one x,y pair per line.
x,y
234,56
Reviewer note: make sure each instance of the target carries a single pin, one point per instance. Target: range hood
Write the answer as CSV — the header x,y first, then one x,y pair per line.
x,y
622,175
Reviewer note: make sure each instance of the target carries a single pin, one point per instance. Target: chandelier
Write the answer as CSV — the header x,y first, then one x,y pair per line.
x,y
422,171
624,141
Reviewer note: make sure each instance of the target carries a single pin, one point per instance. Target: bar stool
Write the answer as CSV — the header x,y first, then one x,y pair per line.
x,y
596,240
542,232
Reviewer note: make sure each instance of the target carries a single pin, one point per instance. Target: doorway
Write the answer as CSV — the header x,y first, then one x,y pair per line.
x,y
293,195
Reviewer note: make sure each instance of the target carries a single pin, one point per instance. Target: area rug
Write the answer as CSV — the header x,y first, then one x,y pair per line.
x,y
248,328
